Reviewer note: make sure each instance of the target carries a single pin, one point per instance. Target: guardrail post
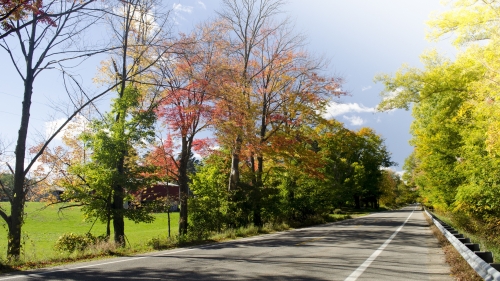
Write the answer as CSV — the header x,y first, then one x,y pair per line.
x,y
473,247
485,256
464,240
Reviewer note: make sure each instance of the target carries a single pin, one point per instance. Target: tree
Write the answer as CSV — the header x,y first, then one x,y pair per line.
x,y
340,151
474,27
456,117
112,172
40,50
140,30
6,185
296,168
388,187
394,191
276,83
187,106
248,22
439,92
209,207
353,162
11,11
141,43
373,156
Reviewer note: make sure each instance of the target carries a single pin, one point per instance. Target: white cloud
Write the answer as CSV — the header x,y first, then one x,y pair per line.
x,y
73,128
399,173
392,95
180,8
335,109
355,120
202,5
366,88
139,18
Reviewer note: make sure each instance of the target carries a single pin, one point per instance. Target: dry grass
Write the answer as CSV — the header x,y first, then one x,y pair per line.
x,y
459,267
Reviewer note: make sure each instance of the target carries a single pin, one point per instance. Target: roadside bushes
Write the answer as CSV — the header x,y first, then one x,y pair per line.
x,y
208,207
71,242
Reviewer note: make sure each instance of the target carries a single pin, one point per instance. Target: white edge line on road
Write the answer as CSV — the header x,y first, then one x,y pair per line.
x,y
95,265
260,237
354,276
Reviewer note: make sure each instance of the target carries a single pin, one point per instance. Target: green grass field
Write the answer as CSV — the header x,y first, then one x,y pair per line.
x,y
44,225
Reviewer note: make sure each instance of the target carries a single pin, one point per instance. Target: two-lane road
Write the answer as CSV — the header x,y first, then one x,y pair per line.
x,y
396,245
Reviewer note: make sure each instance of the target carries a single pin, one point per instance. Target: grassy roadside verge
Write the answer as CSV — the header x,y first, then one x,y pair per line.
x,y
45,224
157,242
459,267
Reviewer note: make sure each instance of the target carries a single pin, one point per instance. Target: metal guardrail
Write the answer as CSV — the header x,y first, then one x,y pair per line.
x,y
484,269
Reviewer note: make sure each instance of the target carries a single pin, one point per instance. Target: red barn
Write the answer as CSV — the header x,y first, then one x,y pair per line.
x,y
160,191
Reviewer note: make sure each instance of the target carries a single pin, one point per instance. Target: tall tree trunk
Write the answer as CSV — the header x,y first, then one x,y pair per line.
x,y
184,189
108,227
118,195
118,221
168,219
109,206
19,193
257,214
357,201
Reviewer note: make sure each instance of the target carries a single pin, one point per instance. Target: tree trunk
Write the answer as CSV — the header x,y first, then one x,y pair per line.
x,y
108,228
257,214
19,193
118,221
357,202
234,178
14,236
168,219
183,185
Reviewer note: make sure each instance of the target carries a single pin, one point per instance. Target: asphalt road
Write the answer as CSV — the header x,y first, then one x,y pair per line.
x,y
396,245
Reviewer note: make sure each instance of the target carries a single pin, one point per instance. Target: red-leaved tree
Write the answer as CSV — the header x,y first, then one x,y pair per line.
x,y
187,106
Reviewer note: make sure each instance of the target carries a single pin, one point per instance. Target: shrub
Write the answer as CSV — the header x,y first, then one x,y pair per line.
x,y
337,212
71,242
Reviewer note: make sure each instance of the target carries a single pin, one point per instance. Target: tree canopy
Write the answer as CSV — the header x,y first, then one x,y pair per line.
x,y
454,104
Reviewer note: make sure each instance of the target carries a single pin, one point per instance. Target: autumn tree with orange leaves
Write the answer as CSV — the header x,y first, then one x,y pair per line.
x,y
275,83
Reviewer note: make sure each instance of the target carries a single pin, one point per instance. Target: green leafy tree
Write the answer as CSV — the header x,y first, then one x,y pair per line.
x,y
353,162
455,161
113,173
439,93
394,191
339,149
209,205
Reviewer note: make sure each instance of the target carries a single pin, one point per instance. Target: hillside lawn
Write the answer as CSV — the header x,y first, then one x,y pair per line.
x,y
44,225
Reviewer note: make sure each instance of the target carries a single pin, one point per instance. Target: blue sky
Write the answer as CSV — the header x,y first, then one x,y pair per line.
x,y
361,38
